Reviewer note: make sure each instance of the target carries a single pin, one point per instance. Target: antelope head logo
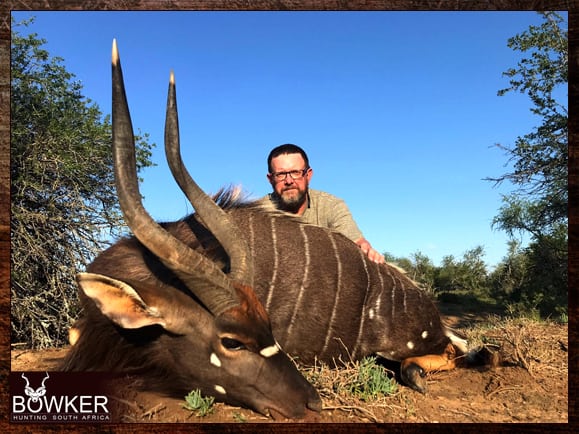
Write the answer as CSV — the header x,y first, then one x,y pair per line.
x,y
35,394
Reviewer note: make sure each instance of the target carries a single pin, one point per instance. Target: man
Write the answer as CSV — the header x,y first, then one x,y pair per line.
x,y
289,173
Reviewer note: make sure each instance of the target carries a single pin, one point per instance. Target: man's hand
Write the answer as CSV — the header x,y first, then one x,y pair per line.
x,y
372,254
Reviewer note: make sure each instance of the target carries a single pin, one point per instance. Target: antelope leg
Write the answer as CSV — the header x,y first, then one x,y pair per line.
x,y
414,369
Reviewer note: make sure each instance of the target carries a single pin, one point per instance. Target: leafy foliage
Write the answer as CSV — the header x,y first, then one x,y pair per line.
x,y
63,201
516,283
539,205
419,267
540,157
349,382
469,274
466,274
526,287
371,381
510,275
199,404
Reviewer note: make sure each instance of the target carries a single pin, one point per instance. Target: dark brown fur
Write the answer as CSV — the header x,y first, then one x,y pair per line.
x,y
387,335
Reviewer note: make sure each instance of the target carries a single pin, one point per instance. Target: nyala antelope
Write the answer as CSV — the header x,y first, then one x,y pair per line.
x,y
216,301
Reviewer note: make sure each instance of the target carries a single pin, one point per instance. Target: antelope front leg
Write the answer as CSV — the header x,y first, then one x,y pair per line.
x,y
414,369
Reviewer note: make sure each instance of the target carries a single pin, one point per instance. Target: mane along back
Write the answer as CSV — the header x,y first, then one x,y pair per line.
x,y
233,197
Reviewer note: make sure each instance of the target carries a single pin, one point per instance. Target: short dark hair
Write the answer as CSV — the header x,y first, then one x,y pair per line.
x,y
288,148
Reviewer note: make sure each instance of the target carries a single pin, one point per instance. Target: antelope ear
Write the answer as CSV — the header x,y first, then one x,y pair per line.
x,y
119,301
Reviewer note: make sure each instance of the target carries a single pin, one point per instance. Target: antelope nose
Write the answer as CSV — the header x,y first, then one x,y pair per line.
x,y
315,403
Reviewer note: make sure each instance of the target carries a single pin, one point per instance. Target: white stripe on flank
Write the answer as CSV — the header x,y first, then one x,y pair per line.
x,y
378,304
393,298
275,264
304,283
337,296
250,223
362,315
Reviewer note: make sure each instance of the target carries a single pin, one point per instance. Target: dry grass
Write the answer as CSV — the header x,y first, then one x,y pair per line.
x,y
340,387
532,345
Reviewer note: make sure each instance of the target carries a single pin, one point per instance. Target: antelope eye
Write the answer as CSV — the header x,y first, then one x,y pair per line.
x,y
232,344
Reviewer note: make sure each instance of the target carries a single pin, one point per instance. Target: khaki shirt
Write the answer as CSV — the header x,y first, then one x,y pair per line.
x,y
328,211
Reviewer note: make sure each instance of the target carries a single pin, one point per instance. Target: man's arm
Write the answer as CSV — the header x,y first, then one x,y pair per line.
x,y
343,222
367,248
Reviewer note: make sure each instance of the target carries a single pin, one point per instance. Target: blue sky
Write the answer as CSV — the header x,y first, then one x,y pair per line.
x,y
398,111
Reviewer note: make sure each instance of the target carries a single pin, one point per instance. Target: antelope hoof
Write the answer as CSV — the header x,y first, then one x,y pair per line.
x,y
414,377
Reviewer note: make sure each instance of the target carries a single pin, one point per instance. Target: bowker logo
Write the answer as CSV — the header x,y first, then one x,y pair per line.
x,y
37,405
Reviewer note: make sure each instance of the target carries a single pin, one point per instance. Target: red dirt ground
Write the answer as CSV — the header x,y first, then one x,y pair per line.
x,y
530,385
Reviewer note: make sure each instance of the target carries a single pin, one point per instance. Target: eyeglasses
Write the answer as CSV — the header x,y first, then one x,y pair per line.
x,y
294,174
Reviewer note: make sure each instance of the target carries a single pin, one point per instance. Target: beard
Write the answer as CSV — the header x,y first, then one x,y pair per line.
x,y
291,199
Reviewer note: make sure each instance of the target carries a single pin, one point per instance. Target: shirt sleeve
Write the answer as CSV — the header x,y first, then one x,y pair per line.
x,y
332,212
342,221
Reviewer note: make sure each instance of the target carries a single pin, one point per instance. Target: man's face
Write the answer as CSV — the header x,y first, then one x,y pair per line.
x,y
292,193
